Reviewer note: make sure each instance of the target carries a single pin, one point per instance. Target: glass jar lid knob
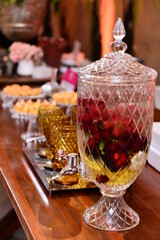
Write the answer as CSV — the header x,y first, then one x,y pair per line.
x,y
119,33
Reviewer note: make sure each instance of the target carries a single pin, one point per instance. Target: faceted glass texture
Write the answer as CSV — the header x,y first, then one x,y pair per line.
x,y
118,67
114,131
114,135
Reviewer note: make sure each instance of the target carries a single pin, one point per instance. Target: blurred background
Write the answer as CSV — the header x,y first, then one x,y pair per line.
x,y
88,21
73,33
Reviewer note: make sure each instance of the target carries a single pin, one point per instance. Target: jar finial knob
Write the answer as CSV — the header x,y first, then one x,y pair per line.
x,y
119,33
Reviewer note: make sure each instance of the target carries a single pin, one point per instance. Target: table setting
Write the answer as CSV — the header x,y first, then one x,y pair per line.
x,y
97,137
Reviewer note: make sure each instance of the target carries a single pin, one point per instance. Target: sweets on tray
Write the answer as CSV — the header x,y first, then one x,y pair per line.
x,y
30,107
65,97
24,90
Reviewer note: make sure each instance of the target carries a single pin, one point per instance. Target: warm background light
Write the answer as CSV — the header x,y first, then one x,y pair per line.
x,y
107,21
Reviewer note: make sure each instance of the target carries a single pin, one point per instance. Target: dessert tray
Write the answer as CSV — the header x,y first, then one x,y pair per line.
x,y
21,115
45,175
9,100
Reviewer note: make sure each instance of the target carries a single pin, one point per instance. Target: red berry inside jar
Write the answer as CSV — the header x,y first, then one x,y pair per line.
x,y
112,134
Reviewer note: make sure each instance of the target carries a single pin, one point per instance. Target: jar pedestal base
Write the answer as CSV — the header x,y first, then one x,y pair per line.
x,y
112,214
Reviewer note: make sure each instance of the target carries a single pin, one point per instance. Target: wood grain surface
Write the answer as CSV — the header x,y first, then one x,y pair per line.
x,y
59,216
21,80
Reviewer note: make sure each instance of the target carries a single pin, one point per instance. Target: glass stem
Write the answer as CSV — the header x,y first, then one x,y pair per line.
x,y
112,194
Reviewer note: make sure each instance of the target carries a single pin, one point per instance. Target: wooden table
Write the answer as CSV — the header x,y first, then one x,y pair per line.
x,y
59,216
22,80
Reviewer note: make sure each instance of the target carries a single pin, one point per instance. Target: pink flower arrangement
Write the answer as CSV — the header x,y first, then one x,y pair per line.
x,y
19,51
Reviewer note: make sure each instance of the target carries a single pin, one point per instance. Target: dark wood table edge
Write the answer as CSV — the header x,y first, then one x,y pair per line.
x,y
22,211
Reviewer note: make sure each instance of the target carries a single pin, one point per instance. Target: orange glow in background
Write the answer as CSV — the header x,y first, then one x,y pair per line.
x,y
107,21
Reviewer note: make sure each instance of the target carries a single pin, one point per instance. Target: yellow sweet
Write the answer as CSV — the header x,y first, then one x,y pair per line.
x,y
30,107
65,97
24,90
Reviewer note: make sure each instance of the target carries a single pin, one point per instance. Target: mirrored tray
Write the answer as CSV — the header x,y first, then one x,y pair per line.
x,y
45,175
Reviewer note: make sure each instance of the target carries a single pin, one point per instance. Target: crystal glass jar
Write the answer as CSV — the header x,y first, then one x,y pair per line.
x,y
115,116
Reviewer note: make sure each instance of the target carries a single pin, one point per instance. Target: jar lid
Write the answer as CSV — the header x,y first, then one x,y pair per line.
x,y
117,66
